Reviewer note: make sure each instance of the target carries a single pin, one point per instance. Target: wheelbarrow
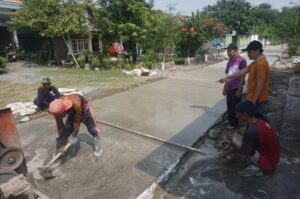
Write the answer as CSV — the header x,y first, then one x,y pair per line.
x,y
11,154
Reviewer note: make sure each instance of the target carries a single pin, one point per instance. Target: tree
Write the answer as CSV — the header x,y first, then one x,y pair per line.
x,y
288,29
195,31
126,19
265,19
52,18
235,14
162,36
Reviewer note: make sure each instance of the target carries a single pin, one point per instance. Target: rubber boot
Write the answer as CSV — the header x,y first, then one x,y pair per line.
x,y
73,138
96,147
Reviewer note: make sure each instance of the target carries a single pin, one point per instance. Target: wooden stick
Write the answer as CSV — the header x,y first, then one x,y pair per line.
x,y
154,138
58,155
71,52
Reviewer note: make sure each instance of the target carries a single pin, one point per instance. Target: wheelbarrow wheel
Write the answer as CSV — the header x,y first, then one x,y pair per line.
x,y
11,158
6,175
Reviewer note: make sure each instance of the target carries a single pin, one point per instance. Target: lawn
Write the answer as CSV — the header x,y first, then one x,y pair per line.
x,y
11,91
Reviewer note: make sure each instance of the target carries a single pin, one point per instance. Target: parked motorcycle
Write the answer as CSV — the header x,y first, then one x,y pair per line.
x,y
11,53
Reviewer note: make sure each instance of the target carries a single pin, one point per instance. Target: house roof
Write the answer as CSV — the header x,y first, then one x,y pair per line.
x,y
10,4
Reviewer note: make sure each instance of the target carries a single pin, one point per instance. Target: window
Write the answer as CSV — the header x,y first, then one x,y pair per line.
x,y
79,45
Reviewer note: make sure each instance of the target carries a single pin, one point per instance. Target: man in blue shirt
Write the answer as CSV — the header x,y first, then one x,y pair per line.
x,y
46,94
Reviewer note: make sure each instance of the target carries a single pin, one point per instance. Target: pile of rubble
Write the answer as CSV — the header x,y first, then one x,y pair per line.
x,y
287,62
140,72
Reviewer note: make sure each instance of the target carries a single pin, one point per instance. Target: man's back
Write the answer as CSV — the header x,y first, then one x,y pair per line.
x,y
269,147
258,69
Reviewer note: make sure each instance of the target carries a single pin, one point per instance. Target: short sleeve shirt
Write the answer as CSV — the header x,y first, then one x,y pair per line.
x,y
234,65
258,69
262,137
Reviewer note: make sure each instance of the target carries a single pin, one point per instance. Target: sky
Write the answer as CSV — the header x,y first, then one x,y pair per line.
x,y
187,6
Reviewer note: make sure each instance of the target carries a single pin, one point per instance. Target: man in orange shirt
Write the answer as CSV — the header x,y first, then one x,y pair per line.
x,y
259,72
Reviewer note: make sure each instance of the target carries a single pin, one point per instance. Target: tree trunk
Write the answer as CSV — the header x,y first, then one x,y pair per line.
x,y
164,56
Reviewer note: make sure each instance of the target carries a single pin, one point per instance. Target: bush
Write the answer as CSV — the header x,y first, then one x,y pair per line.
x,y
36,57
293,50
98,60
179,61
149,59
118,64
293,47
2,62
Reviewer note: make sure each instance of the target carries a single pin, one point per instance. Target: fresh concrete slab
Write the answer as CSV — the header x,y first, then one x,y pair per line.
x,y
180,108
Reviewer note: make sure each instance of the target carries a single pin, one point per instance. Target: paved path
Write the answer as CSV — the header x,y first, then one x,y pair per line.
x,y
180,108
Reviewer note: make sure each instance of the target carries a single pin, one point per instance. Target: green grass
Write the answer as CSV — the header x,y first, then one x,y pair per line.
x,y
11,92
65,78
80,78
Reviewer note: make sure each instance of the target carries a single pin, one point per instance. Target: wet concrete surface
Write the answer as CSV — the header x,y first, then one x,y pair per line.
x,y
206,177
180,108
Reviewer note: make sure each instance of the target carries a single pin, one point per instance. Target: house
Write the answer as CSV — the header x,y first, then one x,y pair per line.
x,y
75,44
7,37
33,42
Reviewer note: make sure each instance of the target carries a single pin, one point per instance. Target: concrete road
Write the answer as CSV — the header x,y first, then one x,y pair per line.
x,y
180,108
206,177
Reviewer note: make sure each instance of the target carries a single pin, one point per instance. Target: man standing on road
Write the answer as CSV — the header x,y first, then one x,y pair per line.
x,y
46,94
259,143
233,88
78,110
259,71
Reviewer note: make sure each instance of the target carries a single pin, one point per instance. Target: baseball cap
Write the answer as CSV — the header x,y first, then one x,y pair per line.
x,y
254,45
245,107
232,47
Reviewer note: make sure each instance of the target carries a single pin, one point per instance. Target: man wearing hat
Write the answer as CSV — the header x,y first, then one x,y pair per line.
x,y
259,72
233,88
77,110
46,94
259,143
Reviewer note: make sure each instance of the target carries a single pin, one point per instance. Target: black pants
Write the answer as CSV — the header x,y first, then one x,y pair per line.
x,y
232,100
88,119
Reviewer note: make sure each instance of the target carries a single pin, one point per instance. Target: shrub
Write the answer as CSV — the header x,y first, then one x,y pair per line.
x,y
149,59
118,64
2,62
293,50
293,46
179,61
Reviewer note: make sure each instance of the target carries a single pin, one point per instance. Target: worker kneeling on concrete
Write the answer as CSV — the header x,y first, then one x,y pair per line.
x,y
259,143
78,110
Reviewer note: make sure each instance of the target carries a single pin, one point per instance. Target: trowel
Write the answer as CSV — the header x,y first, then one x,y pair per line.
x,y
46,171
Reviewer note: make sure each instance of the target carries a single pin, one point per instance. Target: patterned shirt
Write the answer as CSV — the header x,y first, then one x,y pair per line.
x,y
234,64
